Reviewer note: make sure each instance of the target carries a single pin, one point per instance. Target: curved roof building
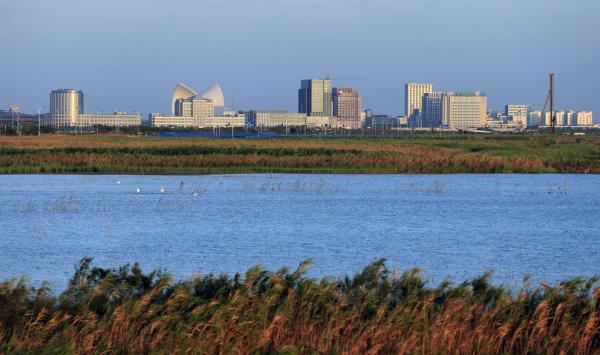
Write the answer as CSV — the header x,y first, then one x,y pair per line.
x,y
214,94
181,92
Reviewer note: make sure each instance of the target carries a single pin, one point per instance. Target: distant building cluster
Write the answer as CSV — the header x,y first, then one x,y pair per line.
x,y
425,108
320,105
428,109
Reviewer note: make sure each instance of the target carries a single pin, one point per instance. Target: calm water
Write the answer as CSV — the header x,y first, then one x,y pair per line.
x,y
452,226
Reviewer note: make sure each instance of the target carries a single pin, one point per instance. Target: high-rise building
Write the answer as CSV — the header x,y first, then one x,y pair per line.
x,y
569,118
464,110
347,107
583,118
413,99
534,119
314,97
560,118
65,106
546,118
518,114
452,110
431,115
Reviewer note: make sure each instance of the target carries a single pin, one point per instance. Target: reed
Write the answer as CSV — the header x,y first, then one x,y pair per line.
x,y
125,310
143,155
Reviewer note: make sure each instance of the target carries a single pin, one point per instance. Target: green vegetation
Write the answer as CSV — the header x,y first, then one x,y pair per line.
x,y
407,154
124,310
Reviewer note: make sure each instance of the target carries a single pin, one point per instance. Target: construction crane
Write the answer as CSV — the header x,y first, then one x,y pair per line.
x,y
549,100
329,77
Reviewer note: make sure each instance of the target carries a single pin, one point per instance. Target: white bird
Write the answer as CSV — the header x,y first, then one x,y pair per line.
x,y
138,190
162,190
118,182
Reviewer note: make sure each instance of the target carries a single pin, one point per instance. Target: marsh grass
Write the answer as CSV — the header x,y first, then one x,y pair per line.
x,y
469,154
124,310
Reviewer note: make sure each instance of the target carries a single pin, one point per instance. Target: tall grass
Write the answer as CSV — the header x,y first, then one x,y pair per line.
x,y
124,310
106,154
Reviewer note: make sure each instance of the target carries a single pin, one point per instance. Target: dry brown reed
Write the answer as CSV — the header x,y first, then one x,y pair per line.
x,y
375,312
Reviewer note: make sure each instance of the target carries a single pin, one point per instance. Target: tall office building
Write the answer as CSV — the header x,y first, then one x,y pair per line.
x,y
314,97
464,110
65,106
518,113
431,115
413,100
347,107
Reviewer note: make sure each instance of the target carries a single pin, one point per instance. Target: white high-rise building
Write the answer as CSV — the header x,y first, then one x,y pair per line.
x,y
546,119
464,110
584,118
413,98
518,114
453,110
560,118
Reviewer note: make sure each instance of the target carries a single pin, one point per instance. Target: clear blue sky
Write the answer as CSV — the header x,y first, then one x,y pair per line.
x,y
129,54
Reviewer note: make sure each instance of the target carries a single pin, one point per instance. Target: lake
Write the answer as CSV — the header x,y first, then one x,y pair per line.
x,y
451,226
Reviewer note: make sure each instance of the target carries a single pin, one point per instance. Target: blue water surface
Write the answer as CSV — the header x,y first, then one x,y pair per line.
x,y
451,226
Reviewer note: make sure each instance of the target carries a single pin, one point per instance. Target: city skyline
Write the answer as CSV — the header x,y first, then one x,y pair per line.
x,y
255,53
319,105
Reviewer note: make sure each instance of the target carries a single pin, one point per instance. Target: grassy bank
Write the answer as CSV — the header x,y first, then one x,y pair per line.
x,y
376,311
425,154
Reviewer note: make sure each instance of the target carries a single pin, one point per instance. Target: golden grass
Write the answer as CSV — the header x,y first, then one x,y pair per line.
x,y
375,312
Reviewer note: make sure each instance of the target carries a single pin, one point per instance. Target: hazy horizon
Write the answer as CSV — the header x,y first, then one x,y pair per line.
x,y
130,55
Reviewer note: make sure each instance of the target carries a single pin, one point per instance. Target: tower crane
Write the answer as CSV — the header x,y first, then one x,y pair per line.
x,y
549,100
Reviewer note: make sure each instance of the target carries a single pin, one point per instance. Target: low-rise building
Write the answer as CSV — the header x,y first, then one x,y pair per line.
x,y
116,119
318,121
158,120
274,118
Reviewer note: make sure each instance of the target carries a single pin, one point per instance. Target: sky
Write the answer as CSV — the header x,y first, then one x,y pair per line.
x,y
128,55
